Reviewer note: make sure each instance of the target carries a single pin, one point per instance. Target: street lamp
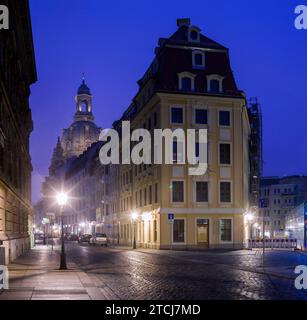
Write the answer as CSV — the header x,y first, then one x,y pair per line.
x,y
249,216
134,217
62,199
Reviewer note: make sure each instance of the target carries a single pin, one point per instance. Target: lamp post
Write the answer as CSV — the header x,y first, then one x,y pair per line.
x,y
134,217
249,218
62,201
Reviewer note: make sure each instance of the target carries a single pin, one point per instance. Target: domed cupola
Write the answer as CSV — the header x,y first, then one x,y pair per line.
x,y
84,89
84,103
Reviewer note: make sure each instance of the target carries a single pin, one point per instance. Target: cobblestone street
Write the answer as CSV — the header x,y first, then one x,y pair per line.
x,y
151,274
121,273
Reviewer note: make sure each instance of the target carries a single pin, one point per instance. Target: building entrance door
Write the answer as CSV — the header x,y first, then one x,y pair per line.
x,y
203,232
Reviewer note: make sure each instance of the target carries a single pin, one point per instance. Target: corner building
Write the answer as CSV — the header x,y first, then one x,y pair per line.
x,y
189,85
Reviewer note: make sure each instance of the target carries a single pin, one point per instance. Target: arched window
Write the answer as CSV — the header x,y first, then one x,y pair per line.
x,y
215,86
186,81
186,84
215,83
194,34
84,106
198,59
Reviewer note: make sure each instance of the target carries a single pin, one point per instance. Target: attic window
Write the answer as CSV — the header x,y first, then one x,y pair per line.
x,y
198,59
186,81
215,83
194,35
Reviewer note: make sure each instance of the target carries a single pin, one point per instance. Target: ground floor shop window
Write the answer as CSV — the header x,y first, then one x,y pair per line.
x,y
178,231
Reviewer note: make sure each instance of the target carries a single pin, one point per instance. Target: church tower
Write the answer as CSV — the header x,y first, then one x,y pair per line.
x,y
83,132
57,158
84,103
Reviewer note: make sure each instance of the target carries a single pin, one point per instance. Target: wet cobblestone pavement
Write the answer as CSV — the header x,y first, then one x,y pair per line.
x,y
151,274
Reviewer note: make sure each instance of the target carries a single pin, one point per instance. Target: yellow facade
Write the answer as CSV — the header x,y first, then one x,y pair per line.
x,y
199,225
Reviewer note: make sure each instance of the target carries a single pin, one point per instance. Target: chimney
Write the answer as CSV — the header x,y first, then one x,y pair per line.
x,y
183,22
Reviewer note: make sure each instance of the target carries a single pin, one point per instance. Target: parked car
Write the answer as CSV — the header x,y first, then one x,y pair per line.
x,y
85,238
99,239
73,237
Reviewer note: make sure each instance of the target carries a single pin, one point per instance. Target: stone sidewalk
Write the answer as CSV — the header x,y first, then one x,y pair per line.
x,y
35,276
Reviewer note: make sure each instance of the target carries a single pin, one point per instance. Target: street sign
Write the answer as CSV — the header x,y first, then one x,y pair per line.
x,y
171,217
263,203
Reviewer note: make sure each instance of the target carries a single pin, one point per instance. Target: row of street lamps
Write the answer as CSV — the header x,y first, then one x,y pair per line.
x,y
62,199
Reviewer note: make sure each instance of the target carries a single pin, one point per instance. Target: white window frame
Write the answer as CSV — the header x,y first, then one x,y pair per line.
x,y
232,230
185,232
183,115
194,116
197,66
171,193
230,117
196,29
231,153
231,193
215,77
195,192
190,75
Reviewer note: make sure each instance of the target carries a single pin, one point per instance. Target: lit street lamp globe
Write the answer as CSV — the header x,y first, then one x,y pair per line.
x,y
249,217
134,216
62,198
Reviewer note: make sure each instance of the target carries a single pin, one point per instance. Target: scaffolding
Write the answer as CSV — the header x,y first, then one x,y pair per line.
x,y
255,150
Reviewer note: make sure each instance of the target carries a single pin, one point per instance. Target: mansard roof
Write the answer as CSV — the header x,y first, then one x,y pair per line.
x,y
173,56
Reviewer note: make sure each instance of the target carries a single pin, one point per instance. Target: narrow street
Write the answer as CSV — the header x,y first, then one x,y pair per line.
x,y
122,273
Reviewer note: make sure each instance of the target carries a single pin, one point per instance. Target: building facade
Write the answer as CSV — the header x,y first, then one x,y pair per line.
x,y
17,73
283,195
93,192
189,85
296,226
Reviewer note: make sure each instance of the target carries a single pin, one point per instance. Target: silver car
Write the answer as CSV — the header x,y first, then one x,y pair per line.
x,y
99,239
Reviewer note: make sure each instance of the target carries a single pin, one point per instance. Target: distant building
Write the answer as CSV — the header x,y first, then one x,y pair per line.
x,y
75,140
283,195
93,189
296,225
17,73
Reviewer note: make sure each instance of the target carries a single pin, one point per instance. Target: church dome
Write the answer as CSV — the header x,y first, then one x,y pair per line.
x,y
83,132
78,137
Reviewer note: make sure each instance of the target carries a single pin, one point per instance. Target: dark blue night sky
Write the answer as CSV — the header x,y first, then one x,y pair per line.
x,y
113,42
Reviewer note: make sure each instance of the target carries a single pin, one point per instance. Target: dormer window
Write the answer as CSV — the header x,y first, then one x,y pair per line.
x,y
215,86
194,34
198,59
215,83
186,81
186,84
